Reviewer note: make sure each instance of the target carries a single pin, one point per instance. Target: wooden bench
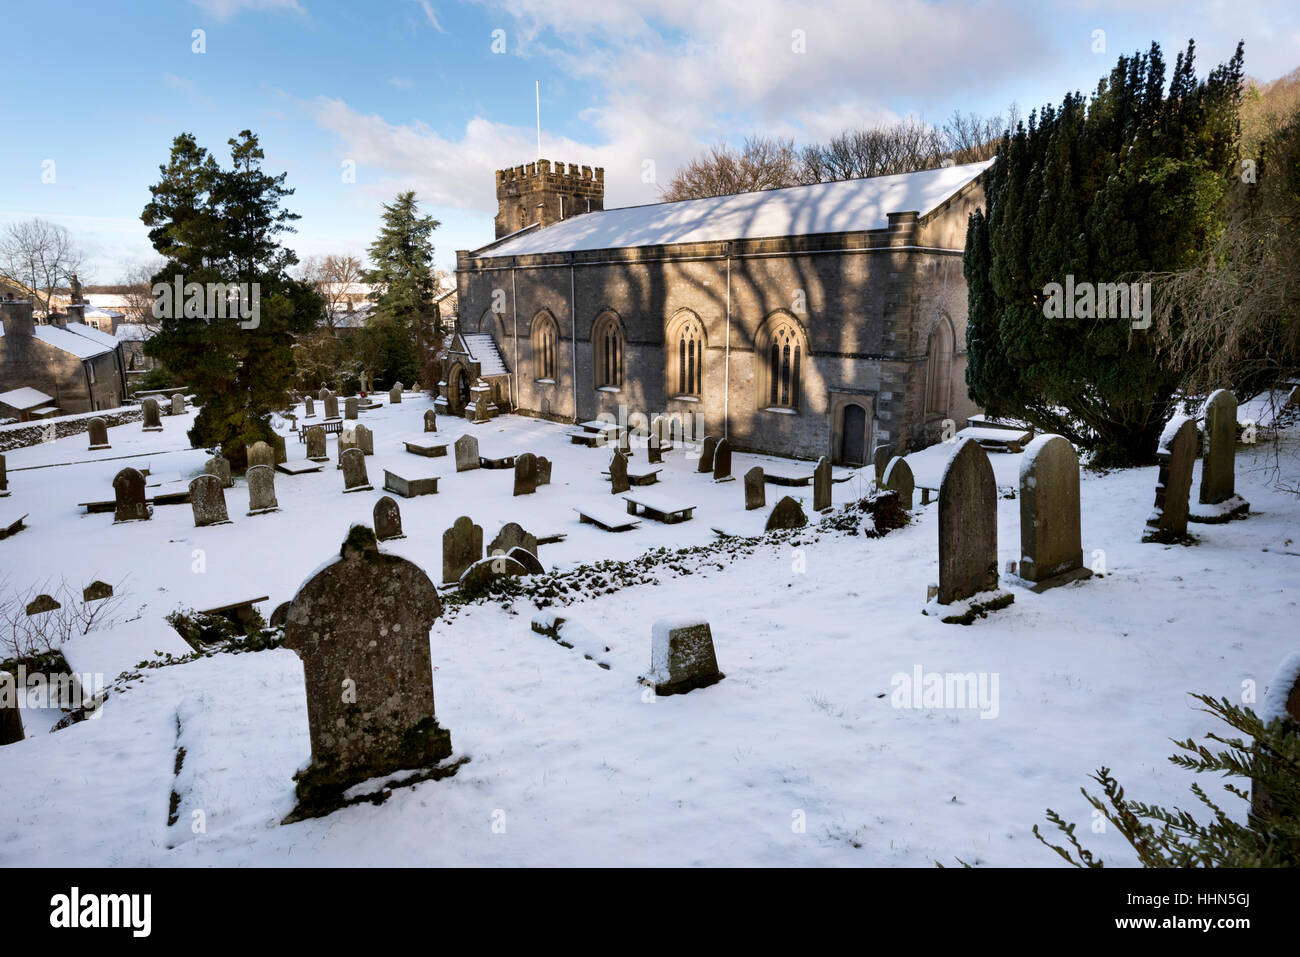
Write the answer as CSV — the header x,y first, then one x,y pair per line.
x,y
660,509
410,488
608,519
11,525
331,427
430,450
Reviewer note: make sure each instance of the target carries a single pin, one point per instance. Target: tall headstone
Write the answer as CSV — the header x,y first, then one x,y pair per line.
x,y
395,394
178,404
467,457
898,478
259,453
11,722
755,489
261,490
128,493
309,408
354,471
331,406
388,519
706,454
880,459
350,407
219,466
152,420
968,525
618,482
722,461
347,440
1218,462
462,546
316,444
362,624
365,440
681,657
98,434
822,485
323,394
526,474
4,478
543,470
281,453
655,444
430,420
208,500
1176,456
1051,550
512,536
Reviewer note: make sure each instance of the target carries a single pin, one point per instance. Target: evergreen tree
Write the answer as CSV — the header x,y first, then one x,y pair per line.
x,y
1108,190
220,228
404,331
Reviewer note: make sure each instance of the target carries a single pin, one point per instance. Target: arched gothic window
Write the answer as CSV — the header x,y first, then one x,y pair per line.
x,y
607,352
782,351
545,339
938,372
685,352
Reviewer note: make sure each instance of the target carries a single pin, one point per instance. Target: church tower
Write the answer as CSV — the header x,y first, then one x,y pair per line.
x,y
546,193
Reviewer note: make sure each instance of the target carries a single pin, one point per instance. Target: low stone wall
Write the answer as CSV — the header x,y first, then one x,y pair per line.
x,y
34,433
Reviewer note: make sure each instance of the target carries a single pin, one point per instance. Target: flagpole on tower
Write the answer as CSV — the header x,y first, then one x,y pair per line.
x,y
538,90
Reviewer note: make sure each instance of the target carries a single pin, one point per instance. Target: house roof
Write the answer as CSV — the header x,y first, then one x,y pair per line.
x,y
94,335
24,398
852,205
133,332
83,347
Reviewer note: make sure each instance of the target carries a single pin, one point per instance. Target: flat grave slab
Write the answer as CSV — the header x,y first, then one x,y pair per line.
x,y
410,487
659,507
11,523
997,440
611,520
300,467
426,448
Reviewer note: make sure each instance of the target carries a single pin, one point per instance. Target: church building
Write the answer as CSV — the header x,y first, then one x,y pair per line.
x,y
808,321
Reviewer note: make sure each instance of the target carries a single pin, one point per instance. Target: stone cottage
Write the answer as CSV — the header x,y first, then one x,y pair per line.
x,y
80,368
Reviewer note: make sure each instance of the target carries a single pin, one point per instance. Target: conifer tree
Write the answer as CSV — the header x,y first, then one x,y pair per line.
x,y
403,333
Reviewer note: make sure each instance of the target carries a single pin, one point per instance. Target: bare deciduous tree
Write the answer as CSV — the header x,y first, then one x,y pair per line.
x,y
762,163
24,636
41,255
333,277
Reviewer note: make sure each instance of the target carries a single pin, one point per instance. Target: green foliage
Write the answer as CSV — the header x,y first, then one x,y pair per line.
x,y
222,226
1109,190
1270,836
404,331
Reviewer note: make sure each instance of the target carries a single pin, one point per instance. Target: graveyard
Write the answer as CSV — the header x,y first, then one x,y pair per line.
x,y
647,675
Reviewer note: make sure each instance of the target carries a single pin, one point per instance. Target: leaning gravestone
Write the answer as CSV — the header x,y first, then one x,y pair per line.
x,y
512,536
178,404
880,459
309,408
152,421
316,444
96,590
365,440
353,464
822,485
261,490
1051,551
128,492
618,482
1176,456
968,525
331,406
543,470
462,546
486,570
467,457
722,461
259,453
898,478
388,519
532,565
706,454
788,513
526,474
361,627
41,604
430,421
1218,478
350,407
98,434
208,500
755,489
681,656
395,394
219,466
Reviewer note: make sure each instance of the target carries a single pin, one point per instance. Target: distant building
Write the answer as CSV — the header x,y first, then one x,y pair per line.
x,y
80,368
132,336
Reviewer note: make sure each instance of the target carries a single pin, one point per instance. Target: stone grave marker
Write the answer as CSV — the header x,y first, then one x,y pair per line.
x,y
178,404
898,478
543,470
880,459
395,394
152,420
787,513
259,453
309,408
1218,462
722,461
98,434
331,406
681,656
208,500
706,454
822,485
316,444
261,490
462,546
41,604
281,453
388,519
350,407
430,420
365,439
968,525
526,474
467,457
512,536
1176,456
1051,551
219,466
755,489
353,464
618,482
96,590
128,492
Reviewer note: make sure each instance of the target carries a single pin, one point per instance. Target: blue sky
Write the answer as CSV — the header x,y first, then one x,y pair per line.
x,y
412,92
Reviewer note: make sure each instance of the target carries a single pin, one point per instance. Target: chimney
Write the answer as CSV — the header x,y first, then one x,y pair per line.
x,y
17,317
76,312
546,192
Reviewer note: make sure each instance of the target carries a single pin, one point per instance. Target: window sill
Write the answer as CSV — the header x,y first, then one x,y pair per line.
x,y
611,389
685,398
544,381
780,410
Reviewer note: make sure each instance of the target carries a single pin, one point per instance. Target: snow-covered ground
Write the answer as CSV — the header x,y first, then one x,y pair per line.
x,y
571,763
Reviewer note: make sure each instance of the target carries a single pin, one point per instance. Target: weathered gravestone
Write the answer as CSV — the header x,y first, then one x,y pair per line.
x,y
530,562
512,536
152,421
618,482
178,404
526,474
281,453
1218,463
898,478
41,604
478,575
1176,456
365,440
96,591
968,527
261,490
430,421
755,489
722,461
208,500
331,406
11,722
1051,550
657,441
787,513
706,454
347,440
462,546
98,434
4,478
259,453
128,492
323,394
625,442
467,457
395,394
219,466
350,407
388,519
316,444
309,408
543,470
361,627
880,459
822,485
681,657
353,464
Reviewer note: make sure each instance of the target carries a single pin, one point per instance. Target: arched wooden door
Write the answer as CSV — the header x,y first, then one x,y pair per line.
x,y
853,435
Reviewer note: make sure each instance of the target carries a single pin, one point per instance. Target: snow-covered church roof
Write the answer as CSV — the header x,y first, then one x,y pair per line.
x,y
847,206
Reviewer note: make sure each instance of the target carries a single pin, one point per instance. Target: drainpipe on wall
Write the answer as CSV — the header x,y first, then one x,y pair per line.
x,y
573,335
514,305
726,369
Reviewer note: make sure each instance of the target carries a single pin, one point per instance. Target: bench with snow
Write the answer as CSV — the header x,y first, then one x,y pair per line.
x,y
645,478
331,427
241,612
300,466
607,518
993,439
421,446
409,488
659,508
11,523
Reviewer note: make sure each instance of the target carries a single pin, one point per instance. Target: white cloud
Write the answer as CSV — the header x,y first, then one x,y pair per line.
x,y
430,15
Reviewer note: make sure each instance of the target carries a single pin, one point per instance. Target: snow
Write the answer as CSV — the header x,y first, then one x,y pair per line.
x,y
1279,689
1030,456
1167,437
132,332
110,652
83,347
93,334
1196,509
810,627
848,206
24,398
483,350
